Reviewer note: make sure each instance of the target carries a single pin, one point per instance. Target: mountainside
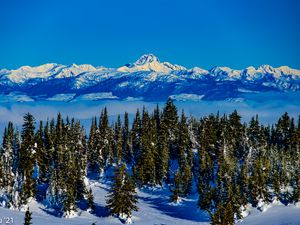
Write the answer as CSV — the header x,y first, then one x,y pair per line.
x,y
147,79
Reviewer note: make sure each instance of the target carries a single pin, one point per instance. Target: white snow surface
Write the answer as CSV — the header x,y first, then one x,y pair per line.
x,y
154,209
275,215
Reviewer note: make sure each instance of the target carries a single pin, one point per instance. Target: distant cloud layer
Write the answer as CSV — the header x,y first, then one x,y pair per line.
x,y
269,110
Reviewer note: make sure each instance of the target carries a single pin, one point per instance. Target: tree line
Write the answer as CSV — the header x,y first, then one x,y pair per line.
x,y
229,163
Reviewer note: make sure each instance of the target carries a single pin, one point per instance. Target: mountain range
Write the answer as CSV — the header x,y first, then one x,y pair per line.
x,y
147,79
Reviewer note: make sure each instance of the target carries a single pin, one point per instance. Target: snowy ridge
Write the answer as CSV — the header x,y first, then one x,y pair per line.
x,y
45,71
147,78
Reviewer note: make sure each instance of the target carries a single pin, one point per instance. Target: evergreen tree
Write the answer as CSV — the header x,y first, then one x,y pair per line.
x,y
170,124
127,144
41,154
16,152
90,200
161,156
7,164
205,190
144,169
184,146
93,152
177,189
187,177
105,141
27,158
136,133
243,181
185,155
259,182
257,140
235,132
122,198
118,141
28,217
296,189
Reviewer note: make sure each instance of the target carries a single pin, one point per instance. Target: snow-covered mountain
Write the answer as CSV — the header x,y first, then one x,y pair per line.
x,y
150,63
147,78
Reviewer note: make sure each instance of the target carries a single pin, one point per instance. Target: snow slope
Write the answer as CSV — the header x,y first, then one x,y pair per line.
x,y
154,209
276,215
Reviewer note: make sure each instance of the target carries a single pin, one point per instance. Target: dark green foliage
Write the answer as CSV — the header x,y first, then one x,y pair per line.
x,y
162,156
224,215
105,141
185,155
169,123
136,133
93,151
90,200
41,154
28,217
236,141
118,141
144,169
127,153
122,198
296,190
182,183
28,158
7,161
177,189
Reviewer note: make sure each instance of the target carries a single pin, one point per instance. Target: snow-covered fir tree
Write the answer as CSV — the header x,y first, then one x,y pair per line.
x,y
122,198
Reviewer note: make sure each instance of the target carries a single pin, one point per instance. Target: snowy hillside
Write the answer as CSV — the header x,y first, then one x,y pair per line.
x,y
147,78
154,209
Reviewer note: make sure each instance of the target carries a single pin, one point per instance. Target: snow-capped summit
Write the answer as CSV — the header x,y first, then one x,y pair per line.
x,y
150,62
225,73
147,58
266,68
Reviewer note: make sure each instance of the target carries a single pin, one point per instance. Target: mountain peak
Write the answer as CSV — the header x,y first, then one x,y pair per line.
x,y
225,73
266,68
146,58
149,62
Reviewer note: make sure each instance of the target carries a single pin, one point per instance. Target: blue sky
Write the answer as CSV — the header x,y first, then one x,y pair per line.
x,y
205,33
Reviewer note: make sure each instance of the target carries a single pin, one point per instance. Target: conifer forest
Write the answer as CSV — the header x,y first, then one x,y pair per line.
x,y
228,163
